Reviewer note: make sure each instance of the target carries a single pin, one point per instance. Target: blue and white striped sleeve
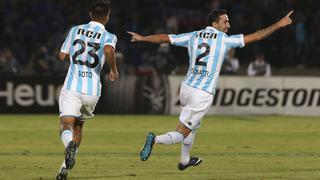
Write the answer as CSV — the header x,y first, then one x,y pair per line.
x,y
180,39
110,40
235,41
67,42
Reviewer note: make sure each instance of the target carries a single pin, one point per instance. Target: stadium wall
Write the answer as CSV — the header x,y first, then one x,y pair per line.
x,y
259,95
159,95
128,95
30,94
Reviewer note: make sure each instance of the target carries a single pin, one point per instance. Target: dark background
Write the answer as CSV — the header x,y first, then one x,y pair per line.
x,y
32,32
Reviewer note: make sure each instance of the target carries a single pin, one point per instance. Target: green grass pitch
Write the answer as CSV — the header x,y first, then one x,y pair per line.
x,y
239,147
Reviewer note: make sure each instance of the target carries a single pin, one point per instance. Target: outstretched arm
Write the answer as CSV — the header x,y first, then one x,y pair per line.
x,y
157,38
263,33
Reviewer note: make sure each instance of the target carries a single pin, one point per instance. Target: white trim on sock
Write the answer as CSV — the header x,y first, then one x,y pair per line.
x,y
186,148
66,137
63,165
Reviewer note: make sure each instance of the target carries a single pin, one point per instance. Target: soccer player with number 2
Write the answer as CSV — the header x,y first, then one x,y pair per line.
x,y
88,46
207,48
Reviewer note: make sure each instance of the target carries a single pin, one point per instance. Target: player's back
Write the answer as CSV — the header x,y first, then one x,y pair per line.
x,y
207,49
85,45
205,58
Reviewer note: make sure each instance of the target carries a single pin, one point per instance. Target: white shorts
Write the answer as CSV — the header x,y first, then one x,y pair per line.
x,y
194,104
76,104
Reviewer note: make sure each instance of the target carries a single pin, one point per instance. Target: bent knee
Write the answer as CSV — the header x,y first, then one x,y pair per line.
x,y
189,139
67,122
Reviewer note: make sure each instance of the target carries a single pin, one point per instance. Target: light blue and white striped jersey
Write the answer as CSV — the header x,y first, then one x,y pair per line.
x,y
207,49
85,44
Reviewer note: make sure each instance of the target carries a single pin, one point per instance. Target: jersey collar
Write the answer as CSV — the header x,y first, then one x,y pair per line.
x,y
212,28
95,23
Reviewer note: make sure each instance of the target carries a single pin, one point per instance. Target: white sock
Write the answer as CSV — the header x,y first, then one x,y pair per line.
x,y
169,138
63,165
186,147
66,137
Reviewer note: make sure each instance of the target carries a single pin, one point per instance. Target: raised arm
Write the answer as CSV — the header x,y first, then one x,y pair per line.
x,y
263,33
157,38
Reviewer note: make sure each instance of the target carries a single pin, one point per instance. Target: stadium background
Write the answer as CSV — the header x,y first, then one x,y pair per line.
x,y
33,31
237,147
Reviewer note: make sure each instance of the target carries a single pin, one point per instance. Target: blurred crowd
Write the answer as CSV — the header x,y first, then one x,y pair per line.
x,y
32,32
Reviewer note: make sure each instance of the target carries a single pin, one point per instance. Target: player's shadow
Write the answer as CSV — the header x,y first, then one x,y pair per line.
x,y
132,175
103,177
243,118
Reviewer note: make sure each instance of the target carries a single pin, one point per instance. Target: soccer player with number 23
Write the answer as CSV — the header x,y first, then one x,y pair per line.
x,y
88,46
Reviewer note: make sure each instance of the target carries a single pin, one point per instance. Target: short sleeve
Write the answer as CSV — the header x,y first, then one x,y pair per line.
x,y
180,39
235,41
67,42
110,40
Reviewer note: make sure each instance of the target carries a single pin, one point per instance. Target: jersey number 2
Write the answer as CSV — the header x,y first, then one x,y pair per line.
x,y
202,55
92,53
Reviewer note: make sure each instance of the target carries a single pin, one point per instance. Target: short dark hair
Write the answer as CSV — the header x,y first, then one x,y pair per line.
x,y
214,16
100,9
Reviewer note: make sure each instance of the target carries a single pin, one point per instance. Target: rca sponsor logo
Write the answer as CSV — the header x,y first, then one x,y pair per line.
x,y
24,94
